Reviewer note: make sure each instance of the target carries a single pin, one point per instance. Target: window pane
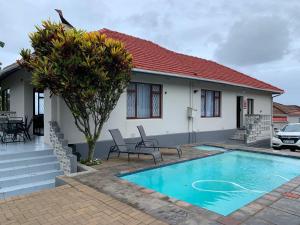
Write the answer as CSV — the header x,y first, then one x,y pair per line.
x,y
131,104
41,105
156,88
156,105
143,100
209,103
36,103
217,105
131,87
202,103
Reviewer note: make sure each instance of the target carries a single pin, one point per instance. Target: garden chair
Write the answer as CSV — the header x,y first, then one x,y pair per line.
x,y
147,142
131,148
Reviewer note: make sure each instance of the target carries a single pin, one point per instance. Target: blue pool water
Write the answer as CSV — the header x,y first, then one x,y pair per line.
x,y
221,183
209,148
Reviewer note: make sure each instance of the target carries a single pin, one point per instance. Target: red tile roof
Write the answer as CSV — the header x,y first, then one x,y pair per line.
x,y
291,110
152,57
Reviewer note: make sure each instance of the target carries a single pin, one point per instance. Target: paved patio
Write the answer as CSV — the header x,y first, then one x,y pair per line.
x,y
69,204
281,206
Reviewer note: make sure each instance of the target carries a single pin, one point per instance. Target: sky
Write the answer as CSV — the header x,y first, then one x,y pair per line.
x,y
258,37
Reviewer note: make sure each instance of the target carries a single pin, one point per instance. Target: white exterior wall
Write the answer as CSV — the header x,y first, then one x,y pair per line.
x,y
293,119
177,95
21,93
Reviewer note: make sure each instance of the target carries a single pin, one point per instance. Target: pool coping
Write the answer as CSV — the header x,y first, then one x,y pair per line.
x,y
237,217
165,196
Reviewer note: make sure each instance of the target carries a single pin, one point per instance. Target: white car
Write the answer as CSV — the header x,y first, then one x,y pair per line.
x,y
287,138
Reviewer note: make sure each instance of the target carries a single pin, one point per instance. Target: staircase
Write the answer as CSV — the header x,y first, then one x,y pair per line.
x,y
239,134
257,128
26,172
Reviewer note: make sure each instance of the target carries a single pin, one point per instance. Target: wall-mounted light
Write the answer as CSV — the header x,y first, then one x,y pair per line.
x,y
195,91
165,92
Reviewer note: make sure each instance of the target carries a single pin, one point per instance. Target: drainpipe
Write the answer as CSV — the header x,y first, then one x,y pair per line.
x,y
190,119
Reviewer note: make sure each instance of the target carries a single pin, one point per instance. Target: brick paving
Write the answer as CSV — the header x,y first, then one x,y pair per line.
x,y
73,203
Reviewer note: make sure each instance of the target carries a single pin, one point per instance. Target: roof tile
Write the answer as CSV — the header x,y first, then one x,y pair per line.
x,y
152,57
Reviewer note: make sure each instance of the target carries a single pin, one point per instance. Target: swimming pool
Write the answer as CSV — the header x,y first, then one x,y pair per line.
x,y
209,148
221,183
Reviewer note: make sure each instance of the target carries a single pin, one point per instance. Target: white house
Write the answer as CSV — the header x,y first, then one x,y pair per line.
x,y
177,98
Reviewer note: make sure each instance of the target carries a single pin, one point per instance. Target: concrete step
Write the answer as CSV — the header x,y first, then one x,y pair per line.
x,y
26,161
26,188
29,169
25,154
29,178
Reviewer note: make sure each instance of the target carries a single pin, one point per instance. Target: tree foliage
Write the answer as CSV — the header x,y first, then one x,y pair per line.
x,y
2,46
88,70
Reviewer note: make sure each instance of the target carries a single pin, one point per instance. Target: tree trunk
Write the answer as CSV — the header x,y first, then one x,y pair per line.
x,y
91,145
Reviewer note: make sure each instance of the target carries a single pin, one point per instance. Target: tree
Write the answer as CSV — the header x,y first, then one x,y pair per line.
x,y
2,46
88,70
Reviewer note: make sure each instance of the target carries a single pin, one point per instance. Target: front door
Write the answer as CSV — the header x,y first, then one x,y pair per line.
x,y
38,110
239,112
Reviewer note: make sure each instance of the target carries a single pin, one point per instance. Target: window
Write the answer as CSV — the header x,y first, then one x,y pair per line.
x,y
250,106
5,94
143,101
210,103
38,103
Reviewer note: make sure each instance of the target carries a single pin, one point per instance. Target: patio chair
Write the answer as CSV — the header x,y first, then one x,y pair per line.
x,y
147,142
26,127
131,148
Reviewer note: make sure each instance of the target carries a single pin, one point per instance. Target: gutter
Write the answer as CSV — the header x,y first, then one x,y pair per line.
x,y
203,79
15,66
8,70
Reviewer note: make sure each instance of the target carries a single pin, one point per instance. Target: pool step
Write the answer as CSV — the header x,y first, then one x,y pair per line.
x,y
28,171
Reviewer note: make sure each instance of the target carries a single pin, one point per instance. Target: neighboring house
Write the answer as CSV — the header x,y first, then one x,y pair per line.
x,y
177,98
283,114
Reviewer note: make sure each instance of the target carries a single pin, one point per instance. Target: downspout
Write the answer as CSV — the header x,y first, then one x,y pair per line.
x,y
190,105
190,119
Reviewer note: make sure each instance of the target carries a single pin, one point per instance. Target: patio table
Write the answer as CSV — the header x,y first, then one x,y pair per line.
x,y
11,129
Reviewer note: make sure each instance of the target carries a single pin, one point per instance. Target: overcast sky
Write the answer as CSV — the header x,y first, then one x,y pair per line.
x,y
258,37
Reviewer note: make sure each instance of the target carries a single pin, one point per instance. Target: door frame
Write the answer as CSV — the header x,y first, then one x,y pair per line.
x,y
239,111
38,120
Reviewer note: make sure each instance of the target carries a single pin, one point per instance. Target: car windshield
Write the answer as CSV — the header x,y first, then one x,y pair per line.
x,y
292,128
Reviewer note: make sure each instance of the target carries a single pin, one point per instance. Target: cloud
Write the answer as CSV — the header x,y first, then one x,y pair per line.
x,y
254,41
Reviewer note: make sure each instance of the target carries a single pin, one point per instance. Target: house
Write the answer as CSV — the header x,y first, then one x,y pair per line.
x,y
283,114
177,98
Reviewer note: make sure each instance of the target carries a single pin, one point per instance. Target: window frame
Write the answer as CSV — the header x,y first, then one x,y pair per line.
x,y
251,101
151,100
213,103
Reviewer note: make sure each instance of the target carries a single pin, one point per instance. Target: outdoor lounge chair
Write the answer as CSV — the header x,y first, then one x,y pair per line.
x,y
131,148
147,142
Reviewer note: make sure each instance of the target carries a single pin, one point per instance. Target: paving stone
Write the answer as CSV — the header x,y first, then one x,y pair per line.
x,y
228,221
77,204
288,205
256,221
278,217
171,214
